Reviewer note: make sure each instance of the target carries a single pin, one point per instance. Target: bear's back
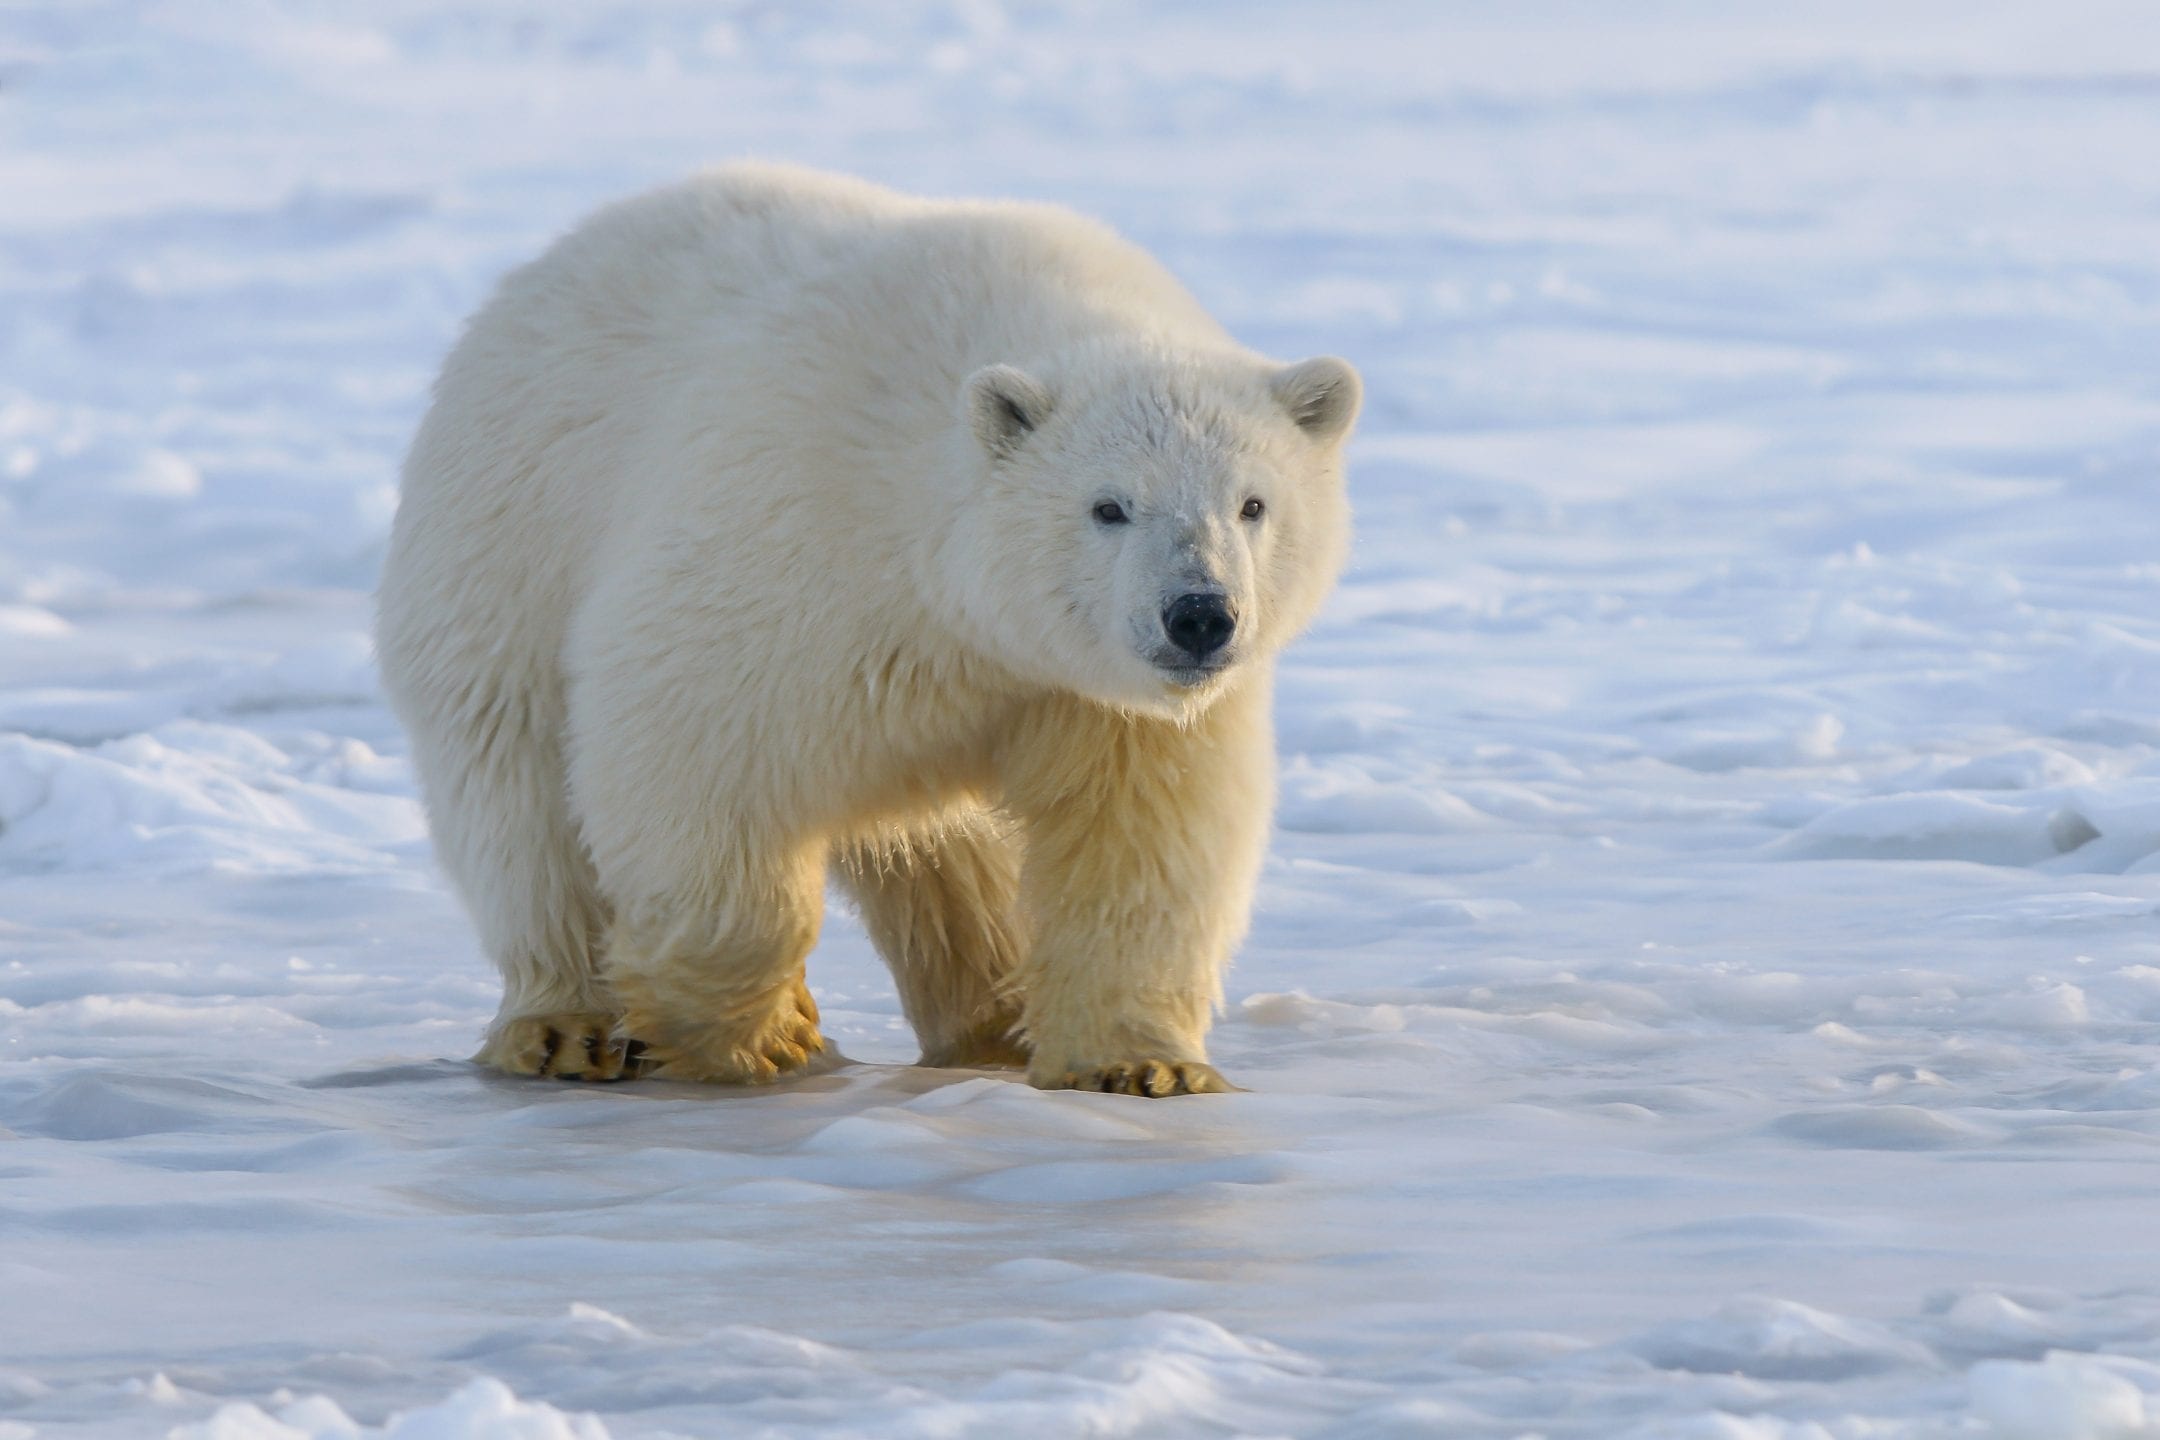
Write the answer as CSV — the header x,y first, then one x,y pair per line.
x,y
839,276
772,311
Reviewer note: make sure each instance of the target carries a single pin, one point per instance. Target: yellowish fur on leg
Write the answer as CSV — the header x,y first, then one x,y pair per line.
x,y
710,973
1145,836
752,1045
941,903
583,1046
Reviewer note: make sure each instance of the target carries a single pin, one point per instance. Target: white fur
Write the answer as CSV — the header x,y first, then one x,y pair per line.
x,y
752,531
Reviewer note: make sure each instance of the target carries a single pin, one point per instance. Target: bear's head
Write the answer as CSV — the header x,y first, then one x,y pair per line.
x,y
1150,525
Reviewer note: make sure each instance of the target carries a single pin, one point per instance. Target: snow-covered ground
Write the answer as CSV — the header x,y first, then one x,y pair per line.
x,y
1707,983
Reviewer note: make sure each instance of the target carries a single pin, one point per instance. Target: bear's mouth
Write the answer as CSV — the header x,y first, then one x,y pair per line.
x,y
1182,670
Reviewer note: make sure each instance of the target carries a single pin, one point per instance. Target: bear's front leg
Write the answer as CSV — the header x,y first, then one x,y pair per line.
x,y
710,978
1144,840
715,900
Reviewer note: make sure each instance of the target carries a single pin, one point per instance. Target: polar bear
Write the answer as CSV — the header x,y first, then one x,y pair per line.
x,y
776,526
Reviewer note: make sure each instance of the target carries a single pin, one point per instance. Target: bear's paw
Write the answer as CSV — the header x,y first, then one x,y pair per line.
x,y
575,1046
741,1050
988,1047
1154,1078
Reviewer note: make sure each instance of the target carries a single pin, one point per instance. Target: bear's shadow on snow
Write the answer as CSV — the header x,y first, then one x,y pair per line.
x,y
830,1074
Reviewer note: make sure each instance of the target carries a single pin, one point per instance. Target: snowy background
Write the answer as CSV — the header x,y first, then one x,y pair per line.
x,y
1707,982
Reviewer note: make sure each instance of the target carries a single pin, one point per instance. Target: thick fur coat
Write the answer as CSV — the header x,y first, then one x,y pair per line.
x,y
775,527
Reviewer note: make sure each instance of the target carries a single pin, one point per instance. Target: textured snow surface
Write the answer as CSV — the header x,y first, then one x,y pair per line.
x,y
1707,982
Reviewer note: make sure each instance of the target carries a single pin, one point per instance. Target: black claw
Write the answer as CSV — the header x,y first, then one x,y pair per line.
x,y
548,1048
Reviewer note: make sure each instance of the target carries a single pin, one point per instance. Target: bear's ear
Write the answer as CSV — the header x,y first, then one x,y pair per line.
x,y
1321,394
1004,404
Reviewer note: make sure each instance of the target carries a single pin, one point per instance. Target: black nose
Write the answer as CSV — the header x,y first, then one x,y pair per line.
x,y
1199,625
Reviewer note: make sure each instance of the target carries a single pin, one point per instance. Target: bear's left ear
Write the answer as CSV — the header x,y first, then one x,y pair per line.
x,y
1321,394
1004,405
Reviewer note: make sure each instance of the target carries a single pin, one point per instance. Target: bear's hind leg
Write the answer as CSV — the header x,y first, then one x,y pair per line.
x,y
492,770
941,906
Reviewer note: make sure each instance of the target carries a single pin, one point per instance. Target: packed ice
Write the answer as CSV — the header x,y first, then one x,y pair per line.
x,y
1707,978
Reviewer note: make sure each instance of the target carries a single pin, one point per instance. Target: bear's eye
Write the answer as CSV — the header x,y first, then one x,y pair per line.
x,y
1111,513
1253,509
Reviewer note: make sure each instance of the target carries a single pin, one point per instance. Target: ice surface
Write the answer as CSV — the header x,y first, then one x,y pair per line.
x,y
1706,980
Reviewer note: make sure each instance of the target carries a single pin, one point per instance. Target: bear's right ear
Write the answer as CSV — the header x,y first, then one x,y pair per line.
x,y
1004,404
1322,396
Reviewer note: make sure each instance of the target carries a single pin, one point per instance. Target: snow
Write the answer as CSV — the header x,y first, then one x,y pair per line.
x,y
1706,979
483,1410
